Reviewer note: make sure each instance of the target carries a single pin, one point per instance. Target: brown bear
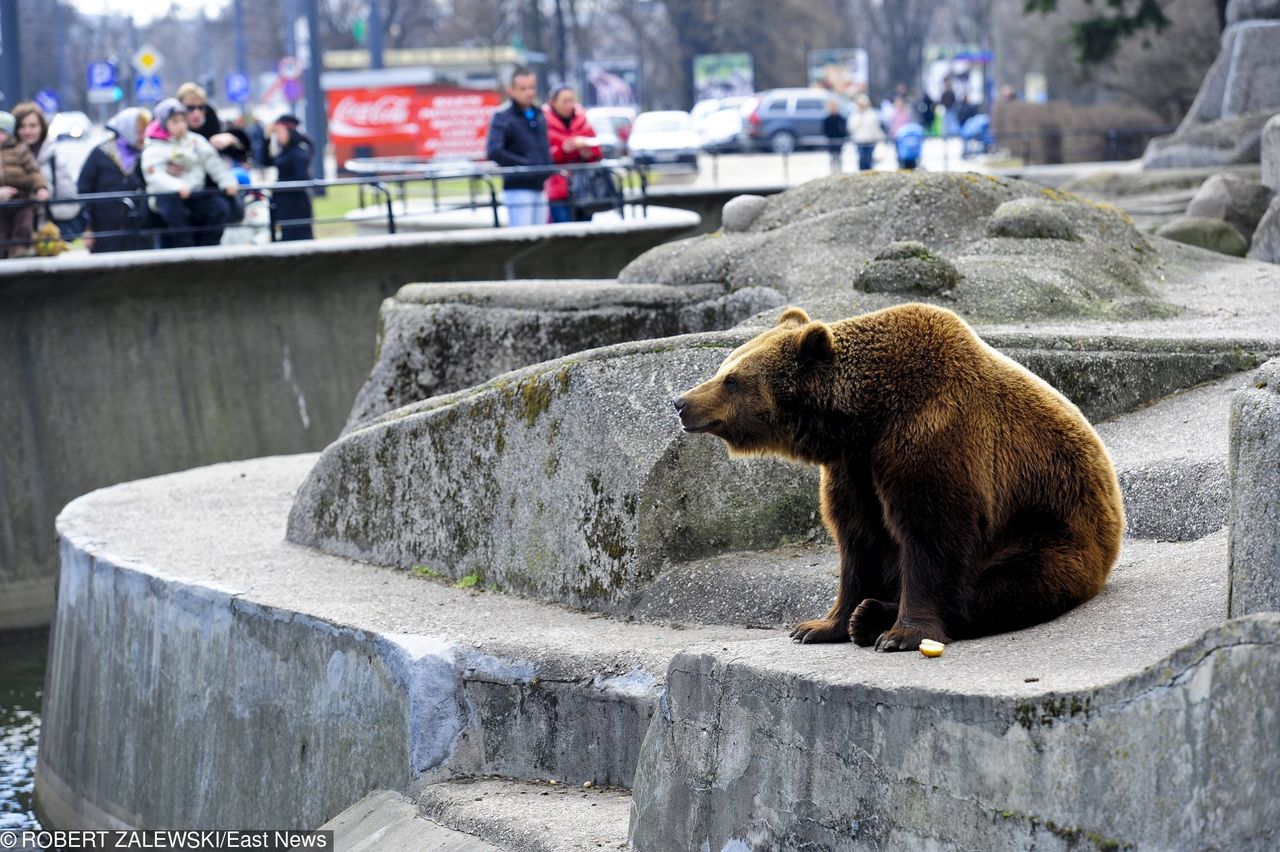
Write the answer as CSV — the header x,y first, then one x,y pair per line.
x,y
965,495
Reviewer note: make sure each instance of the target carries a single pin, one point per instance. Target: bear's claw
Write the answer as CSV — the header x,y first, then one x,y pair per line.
x,y
820,630
901,638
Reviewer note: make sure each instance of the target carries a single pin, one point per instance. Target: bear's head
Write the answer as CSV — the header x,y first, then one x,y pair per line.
x,y
750,403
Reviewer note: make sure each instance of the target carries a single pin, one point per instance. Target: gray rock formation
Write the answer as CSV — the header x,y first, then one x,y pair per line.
x,y
1266,239
1241,90
740,212
569,481
1271,153
438,338
1240,203
1254,554
814,242
1203,232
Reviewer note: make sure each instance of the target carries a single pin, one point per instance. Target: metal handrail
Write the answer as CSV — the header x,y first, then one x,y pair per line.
x,y
379,179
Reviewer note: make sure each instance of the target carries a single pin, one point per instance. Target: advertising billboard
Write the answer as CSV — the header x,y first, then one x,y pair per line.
x,y
722,75
432,122
842,70
611,83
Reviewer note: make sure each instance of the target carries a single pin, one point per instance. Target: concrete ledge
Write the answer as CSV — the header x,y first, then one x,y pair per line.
x,y
422,217
530,816
1043,738
438,338
389,820
212,354
204,673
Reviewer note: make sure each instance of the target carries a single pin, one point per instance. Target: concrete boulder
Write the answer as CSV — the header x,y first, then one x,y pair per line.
x,y
570,481
1240,203
1271,153
1254,554
1031,218
1212,234
1266,239
907,267
1217,142
439,338
740,212
812,241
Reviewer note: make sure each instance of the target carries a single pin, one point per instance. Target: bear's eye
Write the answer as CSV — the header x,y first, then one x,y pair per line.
x,y
730,383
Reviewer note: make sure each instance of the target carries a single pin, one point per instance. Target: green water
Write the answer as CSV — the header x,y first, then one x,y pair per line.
x,y
21,689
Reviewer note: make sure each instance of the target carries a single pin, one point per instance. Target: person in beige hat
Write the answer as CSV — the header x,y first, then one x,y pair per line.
x,y
21,180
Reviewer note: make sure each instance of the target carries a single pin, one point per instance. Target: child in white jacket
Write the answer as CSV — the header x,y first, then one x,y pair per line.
x,y
177,161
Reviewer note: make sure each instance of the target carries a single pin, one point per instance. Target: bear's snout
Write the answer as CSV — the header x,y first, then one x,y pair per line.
x,y
681,404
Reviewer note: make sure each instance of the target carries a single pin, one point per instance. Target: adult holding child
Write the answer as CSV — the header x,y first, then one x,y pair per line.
x,y
176,160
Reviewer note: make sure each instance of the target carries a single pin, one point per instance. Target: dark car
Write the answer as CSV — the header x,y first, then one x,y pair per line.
x,y
786,120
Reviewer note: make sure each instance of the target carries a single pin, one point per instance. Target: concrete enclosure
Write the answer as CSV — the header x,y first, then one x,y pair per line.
x,y
126,366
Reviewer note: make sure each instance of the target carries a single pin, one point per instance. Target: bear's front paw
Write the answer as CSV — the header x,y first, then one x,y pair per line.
x,y
870,619
903,637
820,630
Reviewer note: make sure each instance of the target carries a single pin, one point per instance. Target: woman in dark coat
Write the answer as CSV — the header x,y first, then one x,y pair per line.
x,y
114,167
290,152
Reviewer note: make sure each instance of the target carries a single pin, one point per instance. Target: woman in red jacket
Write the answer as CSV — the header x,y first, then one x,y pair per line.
x,y
572,141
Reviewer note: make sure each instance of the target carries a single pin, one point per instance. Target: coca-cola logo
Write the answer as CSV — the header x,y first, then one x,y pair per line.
x,y
384,110
362,118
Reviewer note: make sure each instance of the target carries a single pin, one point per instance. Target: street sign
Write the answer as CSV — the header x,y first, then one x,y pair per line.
x,y
102,75
147,61
237,87
48,101
105,96
289,68
148,88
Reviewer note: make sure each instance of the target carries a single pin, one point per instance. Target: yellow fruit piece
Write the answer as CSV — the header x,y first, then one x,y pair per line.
x,y
930,648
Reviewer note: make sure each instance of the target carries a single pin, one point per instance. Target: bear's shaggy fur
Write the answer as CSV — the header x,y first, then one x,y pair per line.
x,y
966,496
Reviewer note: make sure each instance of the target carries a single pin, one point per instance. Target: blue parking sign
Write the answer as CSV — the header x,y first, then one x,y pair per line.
x,y
48,101
148,88
238,87
102,75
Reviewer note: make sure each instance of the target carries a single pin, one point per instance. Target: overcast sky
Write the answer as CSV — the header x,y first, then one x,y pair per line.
x,y
144,11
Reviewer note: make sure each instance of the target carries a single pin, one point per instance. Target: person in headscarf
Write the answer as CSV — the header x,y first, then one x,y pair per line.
x,y
114,166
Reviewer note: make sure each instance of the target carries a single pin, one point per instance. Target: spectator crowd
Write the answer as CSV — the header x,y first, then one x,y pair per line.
x,y
175,176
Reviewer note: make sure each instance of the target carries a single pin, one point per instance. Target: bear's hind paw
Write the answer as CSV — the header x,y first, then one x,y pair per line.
x,y
820,630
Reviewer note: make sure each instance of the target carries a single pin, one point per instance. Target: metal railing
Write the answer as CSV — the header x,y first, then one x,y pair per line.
x,y
402,172
388,181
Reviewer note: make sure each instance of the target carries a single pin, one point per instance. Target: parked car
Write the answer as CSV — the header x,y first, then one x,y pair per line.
x,y
719,123
613,127
786,120
666,142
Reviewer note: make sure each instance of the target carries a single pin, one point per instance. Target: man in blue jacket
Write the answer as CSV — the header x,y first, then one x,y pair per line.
x,y
518,137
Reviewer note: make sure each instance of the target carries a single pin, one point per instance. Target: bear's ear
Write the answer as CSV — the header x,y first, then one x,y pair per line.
x,y
815,344
793,318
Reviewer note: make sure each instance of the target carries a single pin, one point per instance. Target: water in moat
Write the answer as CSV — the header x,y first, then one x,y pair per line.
x,y
22,663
